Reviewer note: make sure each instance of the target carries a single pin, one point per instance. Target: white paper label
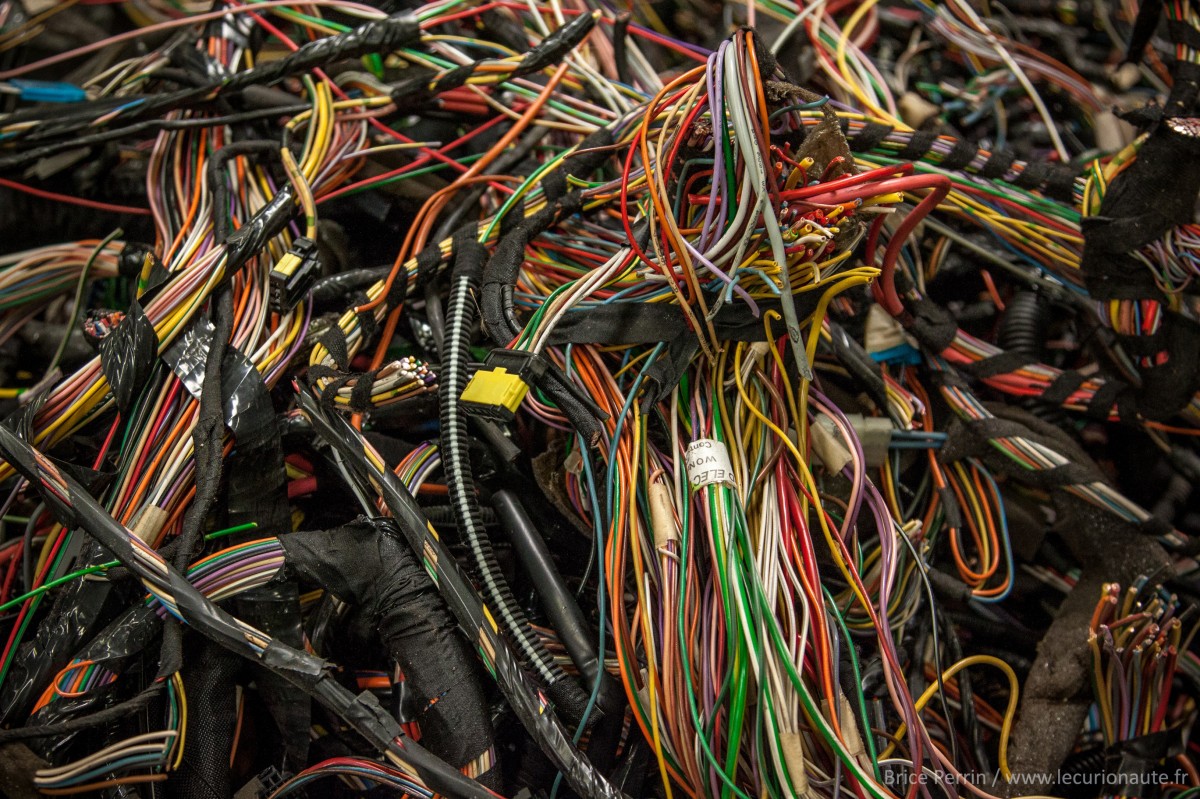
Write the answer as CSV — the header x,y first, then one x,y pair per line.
x,y
708,463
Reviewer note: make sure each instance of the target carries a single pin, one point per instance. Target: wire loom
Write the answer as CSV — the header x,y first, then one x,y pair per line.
x,y
796,409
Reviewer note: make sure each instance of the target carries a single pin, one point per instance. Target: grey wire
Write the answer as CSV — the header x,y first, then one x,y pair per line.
x,y
27,546
937,644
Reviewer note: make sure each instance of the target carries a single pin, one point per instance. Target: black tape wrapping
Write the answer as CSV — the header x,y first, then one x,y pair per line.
x,y
247,404
999,364
127,355
245,242
856,360
554,47
931,324
496,302
468,609
210,677
969,438
158,277
1053,180
365,564
132,257
80,610
667,370
1133,760
651,323
420,89
20,421
305,671
869,136
961,154
377,36
257,492
1155,194
1062,387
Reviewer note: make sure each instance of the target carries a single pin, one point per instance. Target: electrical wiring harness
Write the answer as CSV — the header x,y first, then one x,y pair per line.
x,y
579,398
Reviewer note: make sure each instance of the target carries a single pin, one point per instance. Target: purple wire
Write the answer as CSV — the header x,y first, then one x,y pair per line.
x,y
716,92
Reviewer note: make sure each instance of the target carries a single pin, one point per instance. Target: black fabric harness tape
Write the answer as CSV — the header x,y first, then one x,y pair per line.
x,y
918,145
468,252
590,153
1133,760
1061,183
997,165
554,185
1148,15
127,355
1101,404
298,667
510,221
870,136
366,319
652,323
428,261
1000,364
961,154
1169,387
1062,387
366,564
1180,32
950,507
360,395
668,369
1144,346
1071,473
932,324
1032,176
1153,195
467,607
334,341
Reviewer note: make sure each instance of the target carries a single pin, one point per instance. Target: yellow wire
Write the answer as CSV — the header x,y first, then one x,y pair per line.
x,y
1009,713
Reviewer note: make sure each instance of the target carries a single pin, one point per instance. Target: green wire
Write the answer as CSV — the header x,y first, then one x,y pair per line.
x,y
864,721
66,578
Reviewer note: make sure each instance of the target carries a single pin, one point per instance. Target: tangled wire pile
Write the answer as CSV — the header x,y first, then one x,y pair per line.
x,y
551,398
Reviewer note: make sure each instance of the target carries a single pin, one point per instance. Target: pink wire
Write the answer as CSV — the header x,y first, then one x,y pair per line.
x,y
25,69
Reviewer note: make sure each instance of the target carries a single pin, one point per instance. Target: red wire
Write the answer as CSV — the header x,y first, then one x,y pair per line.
x,y
12,571
66,198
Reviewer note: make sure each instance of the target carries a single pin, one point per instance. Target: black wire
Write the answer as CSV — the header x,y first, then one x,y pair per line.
x,y
937,646
21,159
100,717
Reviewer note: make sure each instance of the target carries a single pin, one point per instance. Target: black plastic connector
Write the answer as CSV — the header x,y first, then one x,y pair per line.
x,y
294,275
496,391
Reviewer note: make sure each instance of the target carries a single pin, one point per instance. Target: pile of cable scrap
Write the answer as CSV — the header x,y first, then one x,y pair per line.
x,y
574,398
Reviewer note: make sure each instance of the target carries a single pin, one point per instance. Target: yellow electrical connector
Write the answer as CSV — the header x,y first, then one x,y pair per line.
x,y
494,393
497,389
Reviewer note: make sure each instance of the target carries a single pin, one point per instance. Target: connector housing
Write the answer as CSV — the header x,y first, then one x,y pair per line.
x,y
293,275
496,391
262,785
